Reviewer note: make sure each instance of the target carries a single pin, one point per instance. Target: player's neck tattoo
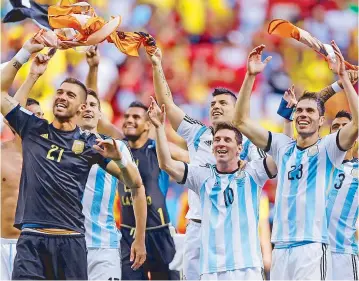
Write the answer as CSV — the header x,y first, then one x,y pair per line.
x,y
17,65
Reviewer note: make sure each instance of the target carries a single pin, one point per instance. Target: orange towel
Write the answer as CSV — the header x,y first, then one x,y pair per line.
x,y
286,29
78,25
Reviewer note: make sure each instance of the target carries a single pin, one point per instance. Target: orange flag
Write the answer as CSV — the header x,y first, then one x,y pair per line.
x,y
286,29
77,25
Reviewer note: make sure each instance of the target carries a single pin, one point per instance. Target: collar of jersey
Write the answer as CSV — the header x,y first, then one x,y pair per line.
x,y
304,148
62,131
225,173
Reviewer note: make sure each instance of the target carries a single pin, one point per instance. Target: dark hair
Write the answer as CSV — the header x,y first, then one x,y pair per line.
x,y
91,92
229,126
31,101
344,114
76,82
223,91
138,104
314,96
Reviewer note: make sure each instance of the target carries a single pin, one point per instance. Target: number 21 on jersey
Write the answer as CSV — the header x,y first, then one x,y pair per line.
x,y
53,152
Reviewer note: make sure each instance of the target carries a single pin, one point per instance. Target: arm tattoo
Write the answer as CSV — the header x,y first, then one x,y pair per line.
x,y
17,65
11,101
165,82
326,93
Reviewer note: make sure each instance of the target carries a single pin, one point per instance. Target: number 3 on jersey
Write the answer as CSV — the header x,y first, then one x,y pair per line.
x,y
50,154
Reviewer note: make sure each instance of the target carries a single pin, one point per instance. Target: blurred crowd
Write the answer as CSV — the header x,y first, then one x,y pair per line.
x,y
205,44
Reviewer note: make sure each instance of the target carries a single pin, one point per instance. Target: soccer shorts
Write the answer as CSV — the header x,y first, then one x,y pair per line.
x,y
160,249
192,246
8,252
250,273
47,256
310,262
104,264
345,266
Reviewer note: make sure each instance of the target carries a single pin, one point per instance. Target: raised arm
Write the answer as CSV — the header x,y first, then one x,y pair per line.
x,y
178,153
349,133
104,125
123,168
10,70
290,98
254,132
337,86
163,92
176,169
37,69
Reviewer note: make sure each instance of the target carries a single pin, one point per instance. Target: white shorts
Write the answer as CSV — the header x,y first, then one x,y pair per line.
x,y
311,262
250,273
8,252
345,266
103,264
192,246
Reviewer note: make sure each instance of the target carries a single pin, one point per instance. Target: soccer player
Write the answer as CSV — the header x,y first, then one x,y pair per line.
x,y
102,235
229,196
342,203
199,140
57,158
159,242
300,231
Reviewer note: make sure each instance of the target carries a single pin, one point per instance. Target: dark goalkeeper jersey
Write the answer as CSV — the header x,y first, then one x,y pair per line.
x,y
55,168
156,184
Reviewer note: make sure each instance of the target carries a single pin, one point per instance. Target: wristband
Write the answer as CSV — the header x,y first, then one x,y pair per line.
x,y
285,112
336,88
22,56
122,163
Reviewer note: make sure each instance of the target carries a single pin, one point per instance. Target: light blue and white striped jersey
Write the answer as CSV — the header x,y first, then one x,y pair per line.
x,y
199,140
230,215
97,202
342,208
303,176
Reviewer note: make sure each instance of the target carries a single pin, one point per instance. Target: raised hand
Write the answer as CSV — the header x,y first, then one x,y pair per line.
x,y
108,149
340,65
39,64
32,46
157,115
290,98
156,58
93,56
255,64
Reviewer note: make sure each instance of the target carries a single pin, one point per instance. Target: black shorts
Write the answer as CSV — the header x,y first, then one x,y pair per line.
x,y
160,249
54,257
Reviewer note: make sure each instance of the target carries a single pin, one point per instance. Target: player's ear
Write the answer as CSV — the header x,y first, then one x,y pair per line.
x,y
239,147
321,121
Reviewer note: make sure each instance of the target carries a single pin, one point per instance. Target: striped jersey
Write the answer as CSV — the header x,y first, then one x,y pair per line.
x,y
303,176
230,215
342,208
199,140
97,201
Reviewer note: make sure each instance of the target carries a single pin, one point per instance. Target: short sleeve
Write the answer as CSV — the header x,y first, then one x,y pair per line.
x,y
259,171
195,176
251,152
335,153
22,120
189,128
125,150
275,142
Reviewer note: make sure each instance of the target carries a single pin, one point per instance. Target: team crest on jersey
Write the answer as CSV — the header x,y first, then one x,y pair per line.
x,y
312,151
240,175
355,173
78,146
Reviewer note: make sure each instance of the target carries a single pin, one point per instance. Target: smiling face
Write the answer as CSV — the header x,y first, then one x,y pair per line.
x,y
91,114
68,100
338,123
307,118
135,123
225,146
222,108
